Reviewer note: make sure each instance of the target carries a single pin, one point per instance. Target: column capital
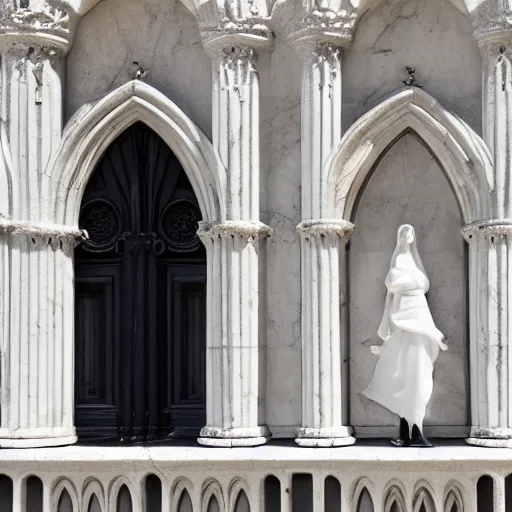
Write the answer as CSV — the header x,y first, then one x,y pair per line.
x,y
487,228
48,24
240,35
492,22
40,231
325,227
332,22
241,228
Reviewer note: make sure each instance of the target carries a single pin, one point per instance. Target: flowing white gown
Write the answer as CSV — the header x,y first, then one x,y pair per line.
x,y
403,381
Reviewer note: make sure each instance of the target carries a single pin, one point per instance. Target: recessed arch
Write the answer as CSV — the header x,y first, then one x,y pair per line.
x,y
59,499
238,495
93,496
115,489
423,499
363,491
460,151
182,491
453,501
394,497
94,127
212,498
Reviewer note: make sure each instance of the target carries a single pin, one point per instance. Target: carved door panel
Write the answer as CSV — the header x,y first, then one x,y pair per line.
x,y
140,297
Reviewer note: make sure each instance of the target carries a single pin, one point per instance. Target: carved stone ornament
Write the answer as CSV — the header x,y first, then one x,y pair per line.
x,y
325,21
39,231
102,223
492,22
403,377
179,225
49,22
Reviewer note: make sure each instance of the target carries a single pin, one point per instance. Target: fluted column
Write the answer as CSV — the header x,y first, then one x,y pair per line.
x,y
322,239
36,257
490,262
232,334
233,247
322,247
490,249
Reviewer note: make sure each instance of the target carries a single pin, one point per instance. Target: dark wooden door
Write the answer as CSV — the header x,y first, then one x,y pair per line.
x,y
140,297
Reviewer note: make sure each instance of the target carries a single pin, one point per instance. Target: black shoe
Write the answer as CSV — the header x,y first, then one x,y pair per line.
x,y
404,440
418,439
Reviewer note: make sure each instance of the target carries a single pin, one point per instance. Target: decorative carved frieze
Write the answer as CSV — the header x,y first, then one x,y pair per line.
x,y
47,21
246,229
326,21
35,230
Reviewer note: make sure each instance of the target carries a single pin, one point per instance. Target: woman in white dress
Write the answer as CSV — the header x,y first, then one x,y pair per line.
x,y
403,380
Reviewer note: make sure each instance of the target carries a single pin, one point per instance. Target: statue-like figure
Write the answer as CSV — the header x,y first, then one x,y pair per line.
x,y
403,377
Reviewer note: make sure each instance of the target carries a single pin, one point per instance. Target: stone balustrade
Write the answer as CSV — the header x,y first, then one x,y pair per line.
x,y
272,478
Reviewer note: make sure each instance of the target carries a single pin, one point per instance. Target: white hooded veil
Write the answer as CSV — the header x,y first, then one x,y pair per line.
x,y
384,330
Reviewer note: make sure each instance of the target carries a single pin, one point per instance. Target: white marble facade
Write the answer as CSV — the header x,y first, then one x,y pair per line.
x,y
341,154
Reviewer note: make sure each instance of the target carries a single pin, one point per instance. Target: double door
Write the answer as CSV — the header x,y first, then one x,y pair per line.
x,y
140,285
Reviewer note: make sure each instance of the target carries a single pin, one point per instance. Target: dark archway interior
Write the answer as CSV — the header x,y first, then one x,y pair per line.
x,y
140,297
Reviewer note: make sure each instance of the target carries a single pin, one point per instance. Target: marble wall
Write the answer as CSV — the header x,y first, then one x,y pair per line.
x,y
163,36
409,186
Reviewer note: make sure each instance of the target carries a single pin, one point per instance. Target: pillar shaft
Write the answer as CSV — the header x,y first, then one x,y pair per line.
x,y
36,340
36,259
233,369
321,122
232,334
323,400
322,335
490,256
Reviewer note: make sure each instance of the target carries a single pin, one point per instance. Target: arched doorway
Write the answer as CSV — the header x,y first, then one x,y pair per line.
x,y
408,185
140,297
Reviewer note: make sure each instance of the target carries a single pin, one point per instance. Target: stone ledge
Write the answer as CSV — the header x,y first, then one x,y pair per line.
x,y
325,227
29,228
251,229
490,227
375,456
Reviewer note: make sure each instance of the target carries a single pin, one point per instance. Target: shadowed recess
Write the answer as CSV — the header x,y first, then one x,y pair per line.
x,y
124,500
65,503
508,493
302,492
272,494
332,495
365,503
485,494
185,503
153,494
94,504
34,494
5,493
242,503
213,505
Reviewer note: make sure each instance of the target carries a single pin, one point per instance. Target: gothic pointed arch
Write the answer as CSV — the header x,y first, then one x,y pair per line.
x,y
423,498
64,495
94,127
394,498
460,151
212,498
453,501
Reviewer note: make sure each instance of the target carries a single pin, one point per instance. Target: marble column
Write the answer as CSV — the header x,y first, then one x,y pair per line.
x,y
490,252
36,257
322,246
234,245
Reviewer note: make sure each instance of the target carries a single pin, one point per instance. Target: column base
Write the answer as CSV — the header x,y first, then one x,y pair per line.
x,y
490,437
233,437
325,437
32,441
